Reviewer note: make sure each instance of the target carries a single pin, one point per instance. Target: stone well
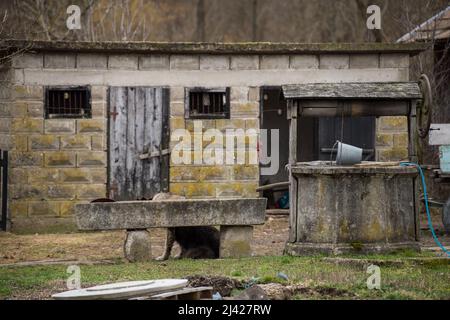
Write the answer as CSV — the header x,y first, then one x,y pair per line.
x,y
353,209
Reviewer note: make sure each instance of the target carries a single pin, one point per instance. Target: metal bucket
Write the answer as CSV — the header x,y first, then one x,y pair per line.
x,y
348,154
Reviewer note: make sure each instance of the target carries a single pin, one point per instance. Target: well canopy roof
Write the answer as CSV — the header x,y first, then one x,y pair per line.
x,y
367,90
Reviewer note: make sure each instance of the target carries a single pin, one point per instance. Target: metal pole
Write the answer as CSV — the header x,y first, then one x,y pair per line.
x,y
4,189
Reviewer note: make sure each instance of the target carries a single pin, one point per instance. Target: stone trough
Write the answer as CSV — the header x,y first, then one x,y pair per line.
x,y
235,217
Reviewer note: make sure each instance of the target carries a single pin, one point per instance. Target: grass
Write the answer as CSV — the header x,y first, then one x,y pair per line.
x,y
411,279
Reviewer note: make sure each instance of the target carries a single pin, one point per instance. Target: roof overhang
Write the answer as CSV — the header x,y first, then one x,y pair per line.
x,y
213,48
364,90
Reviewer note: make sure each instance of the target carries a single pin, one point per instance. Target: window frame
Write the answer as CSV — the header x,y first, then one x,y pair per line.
x,y
222,90
87,110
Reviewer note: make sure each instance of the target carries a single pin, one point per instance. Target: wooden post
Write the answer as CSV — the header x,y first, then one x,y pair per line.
x,y
412,134
413,144
292,113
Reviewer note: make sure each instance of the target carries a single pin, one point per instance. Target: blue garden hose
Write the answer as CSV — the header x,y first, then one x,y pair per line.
x,y
424,186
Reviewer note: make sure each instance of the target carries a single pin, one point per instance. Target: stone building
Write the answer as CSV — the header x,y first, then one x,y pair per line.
x,y
117,99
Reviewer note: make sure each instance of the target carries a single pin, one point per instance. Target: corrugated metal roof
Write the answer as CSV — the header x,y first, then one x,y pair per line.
x,y
437,27
370,90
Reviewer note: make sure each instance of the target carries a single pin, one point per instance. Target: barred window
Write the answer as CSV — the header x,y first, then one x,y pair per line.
x,y
207,103
73,102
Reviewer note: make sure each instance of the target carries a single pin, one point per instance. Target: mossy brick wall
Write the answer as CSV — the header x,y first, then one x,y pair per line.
x,y
227,180
54,163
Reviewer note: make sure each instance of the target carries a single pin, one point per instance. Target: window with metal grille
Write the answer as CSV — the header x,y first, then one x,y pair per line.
x,y
208,103
66,102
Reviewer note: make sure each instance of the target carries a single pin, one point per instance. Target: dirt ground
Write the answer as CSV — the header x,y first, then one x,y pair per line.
x,y
268,239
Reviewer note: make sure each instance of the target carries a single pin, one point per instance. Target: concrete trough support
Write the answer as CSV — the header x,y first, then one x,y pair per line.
x,y
137,246
235,241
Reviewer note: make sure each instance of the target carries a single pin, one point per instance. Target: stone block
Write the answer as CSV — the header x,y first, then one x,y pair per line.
x,y
92,61
67,208
177,94
154,62
383,140
18,176
224,124
91,191
21,92
244,62
5,125
27,125
176,123
25,159
251,124
91,159
35,109
138,246
243,172
43,175
20,142
60,126
19,76
28,61
43,208
59,191
5,110
159,214
393,154
75,175
237,189
123,61
59,61
213,62
334,61
98,176
98,93
274,62
306,61
6,92
90,126
184,62
177,109
59,159
97,143
253,94
394,60
239,94
398,123
362,61
18,208
76,142
235,241
47,142
193,190
19,109
6,141
26,191
250,109
401,140
98,109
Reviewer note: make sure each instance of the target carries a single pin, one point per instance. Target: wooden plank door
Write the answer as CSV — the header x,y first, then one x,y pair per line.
x,y
138,142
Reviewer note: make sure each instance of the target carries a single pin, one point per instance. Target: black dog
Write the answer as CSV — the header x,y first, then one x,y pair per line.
x,y
195,242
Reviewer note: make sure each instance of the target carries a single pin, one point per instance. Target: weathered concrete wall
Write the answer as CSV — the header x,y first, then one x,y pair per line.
x,y
57,163
354,209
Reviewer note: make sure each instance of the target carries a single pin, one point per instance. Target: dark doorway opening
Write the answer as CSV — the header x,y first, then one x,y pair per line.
x,y
316,137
